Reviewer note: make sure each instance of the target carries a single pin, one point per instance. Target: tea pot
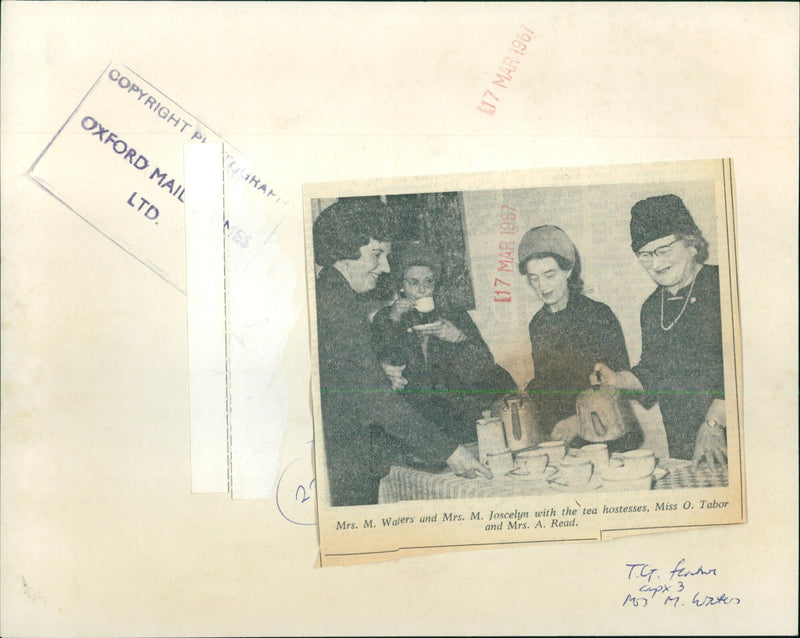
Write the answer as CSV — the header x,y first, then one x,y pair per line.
x,y
521,421
603,414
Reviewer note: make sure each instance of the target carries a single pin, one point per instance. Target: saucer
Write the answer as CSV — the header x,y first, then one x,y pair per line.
x,y
593,484
543,476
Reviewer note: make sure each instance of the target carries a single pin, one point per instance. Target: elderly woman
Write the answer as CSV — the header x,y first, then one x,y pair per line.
x,y
568,335
366,426
434,355
681,365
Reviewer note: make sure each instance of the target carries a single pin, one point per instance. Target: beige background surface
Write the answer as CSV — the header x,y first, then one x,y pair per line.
x,y
100,535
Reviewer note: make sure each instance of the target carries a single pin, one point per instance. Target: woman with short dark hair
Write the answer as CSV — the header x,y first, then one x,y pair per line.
x,y
366,426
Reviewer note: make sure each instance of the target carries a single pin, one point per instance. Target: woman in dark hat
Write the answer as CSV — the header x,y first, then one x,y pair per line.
x,y
681,365
366,426
434,355
568,335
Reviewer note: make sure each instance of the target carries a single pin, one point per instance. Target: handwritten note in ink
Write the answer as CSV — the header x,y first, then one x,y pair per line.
x,y
681,584
295,493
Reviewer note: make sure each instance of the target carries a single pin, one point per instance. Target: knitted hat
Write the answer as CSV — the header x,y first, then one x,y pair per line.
x,y
657,217
546,239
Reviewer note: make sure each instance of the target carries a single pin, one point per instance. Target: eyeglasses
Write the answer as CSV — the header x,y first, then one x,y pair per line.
x,y
646,256
428,282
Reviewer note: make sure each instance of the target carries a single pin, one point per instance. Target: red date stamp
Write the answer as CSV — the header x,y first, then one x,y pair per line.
x,y
506,71
505,254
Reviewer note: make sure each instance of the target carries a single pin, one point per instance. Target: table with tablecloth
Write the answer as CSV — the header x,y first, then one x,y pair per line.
x,y
407,484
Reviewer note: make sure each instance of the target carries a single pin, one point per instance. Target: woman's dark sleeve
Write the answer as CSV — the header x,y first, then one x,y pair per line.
x,y
355,390
472,352
474,360
711,363
646,369
381,331
387,337
614,350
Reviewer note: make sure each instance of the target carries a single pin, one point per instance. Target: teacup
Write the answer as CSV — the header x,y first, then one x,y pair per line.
x,y
531,462
598,453
639,462
424,304
500,462
575,470
631,465
555,450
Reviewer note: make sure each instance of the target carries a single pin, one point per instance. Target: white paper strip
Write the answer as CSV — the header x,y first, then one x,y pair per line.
x,y
205,301
262,310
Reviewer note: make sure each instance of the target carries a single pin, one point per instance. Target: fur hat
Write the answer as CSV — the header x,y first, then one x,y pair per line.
x,y
546,239
657,217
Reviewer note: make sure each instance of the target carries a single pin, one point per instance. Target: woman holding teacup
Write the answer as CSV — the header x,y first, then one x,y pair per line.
x,y
568,335
434,354
681,365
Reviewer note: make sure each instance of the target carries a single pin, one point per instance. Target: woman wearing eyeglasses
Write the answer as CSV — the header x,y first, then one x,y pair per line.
x,y
568,335
681,363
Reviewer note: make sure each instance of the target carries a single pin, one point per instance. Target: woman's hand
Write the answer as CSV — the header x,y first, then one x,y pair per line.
x,y
623,380
395,374
566,429
441,329
463,463
603,375
711,442
400,307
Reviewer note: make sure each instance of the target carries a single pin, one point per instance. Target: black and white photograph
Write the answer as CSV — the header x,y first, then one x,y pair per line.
x,y
527,341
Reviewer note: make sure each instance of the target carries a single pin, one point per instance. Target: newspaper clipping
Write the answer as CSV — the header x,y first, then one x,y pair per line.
x,y
524,357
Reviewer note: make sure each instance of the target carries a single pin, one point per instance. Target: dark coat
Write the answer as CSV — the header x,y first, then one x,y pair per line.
x,y
681,368
565,347
366,425
455,382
